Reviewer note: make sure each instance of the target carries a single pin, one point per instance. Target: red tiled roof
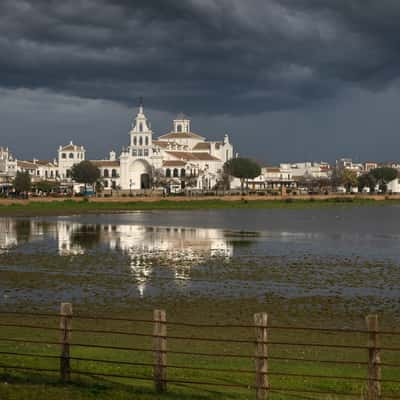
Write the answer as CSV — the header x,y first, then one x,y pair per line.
x,y
160,143
180,135
71,147
105,163
193,156
26,164
202,146
272,169
43,162
174,163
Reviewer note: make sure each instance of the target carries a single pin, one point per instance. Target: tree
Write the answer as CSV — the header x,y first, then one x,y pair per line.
x,y
242,168
344,177
383,176
85,172
336,177
159,178
366,180
349,179
224,181
22,182
47,186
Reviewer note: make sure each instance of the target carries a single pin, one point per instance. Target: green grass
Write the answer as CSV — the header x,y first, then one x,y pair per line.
x,y
72,207
107,273
38,385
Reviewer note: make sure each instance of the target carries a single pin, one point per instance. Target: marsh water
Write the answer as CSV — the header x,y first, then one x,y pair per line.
x,y
343,258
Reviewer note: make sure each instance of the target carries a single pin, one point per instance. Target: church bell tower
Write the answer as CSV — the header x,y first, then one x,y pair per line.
x,y
141,135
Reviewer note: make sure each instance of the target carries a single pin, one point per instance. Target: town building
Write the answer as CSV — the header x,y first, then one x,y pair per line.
x,y
176,160
369,166
348,164
315,170
8,168
180,158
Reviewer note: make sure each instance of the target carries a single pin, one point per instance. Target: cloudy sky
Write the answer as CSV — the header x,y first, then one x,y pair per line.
x,y
287,79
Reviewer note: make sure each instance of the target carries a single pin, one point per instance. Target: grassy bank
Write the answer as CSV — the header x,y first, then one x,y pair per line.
x,y
39,385
103,286
34,208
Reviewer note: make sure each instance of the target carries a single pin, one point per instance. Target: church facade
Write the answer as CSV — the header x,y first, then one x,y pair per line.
x,y
175,160
179,158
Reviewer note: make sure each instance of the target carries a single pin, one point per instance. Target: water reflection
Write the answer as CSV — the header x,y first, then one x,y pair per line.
x,y
146,247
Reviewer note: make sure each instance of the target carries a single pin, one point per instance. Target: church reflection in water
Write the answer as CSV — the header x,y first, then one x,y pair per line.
x,y
176,248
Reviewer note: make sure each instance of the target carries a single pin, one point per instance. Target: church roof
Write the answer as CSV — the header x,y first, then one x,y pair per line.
x,y
105,163
43,162
202,146
71,147
174,163
26,164
272,169
180,135
185,155
160,143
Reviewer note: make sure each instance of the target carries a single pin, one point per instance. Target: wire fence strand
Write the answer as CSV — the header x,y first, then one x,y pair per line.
x,y
211,378
199,325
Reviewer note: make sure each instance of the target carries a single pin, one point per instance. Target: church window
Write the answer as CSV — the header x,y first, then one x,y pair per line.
x,y
113,185
134,152
179,128
183,172
140,152
168,173
105,184
140,141
146,140
114,173
146,152
105,173
134,141
68,173
63,155
176,172
71,155
52,174
141,127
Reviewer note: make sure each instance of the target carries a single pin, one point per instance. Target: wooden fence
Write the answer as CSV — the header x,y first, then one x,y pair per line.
x,y
262,373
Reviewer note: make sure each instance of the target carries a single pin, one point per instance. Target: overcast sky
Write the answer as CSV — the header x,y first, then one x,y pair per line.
x,y
289,80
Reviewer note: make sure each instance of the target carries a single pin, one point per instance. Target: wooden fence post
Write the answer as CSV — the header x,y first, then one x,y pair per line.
x,y
65,328
160,350
374,359
261,355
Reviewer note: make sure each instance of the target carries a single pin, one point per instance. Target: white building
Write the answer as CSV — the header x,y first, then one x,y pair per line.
x,y
68,156
179,157
8,167
394,186
317,170
348,164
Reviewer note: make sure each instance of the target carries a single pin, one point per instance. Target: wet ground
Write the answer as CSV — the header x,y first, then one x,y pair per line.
x,y
333,264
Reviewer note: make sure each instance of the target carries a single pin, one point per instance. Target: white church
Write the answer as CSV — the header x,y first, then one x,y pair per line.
x,y
178,159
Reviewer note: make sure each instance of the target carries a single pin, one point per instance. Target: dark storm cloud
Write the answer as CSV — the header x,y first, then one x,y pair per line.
x,y
226,56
